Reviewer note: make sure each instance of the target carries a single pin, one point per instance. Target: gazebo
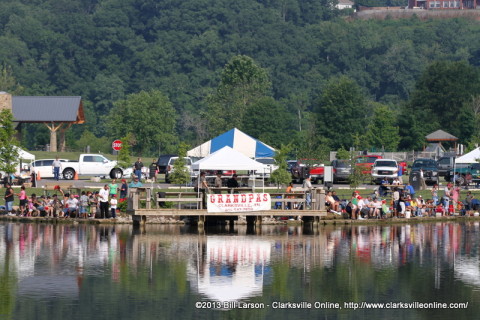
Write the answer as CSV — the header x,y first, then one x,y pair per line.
x,y
57,113
440,136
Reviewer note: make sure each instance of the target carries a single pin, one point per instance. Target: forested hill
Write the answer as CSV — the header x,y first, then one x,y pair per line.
x,y
281,70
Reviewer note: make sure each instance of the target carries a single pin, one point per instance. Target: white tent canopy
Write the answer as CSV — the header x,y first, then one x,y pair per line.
x,y
227,159
24,155
471,157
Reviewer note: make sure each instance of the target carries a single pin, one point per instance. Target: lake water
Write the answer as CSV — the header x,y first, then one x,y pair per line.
x,y
275,272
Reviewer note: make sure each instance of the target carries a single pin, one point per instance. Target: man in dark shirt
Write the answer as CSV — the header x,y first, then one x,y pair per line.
x,y
9,198
138,168
153,170
232,182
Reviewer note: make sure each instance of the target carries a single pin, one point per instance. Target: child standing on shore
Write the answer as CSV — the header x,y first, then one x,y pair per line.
x,y
22,196
84,205
113,206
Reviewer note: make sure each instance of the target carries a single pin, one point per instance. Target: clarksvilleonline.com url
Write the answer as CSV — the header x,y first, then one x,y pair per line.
x,y
329,305
405,305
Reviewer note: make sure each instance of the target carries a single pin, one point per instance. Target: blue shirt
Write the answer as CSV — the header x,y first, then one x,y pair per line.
x,y
134,184
410,189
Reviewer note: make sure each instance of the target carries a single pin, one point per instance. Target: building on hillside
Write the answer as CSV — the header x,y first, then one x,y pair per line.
x,y
443,4
56,113
344,4
436,138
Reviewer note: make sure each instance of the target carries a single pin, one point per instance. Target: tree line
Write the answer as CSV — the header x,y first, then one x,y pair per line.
x,y
284,71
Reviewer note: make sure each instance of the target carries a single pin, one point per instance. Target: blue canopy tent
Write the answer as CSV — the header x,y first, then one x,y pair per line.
x,y
237,140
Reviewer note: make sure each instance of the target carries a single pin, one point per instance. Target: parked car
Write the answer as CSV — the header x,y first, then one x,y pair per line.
x,y
445,165
44,167
299,171
91,165
170,167
429,167
367,161
163,161
384,168
317,173
342,170
463,170
129,173
307,167
291,164
269,164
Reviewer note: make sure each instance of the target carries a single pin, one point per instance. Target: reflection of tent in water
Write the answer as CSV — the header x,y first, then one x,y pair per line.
x,y
231,269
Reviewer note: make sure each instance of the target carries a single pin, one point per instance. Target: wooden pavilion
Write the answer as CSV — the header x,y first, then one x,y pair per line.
x,y
440,136
56,113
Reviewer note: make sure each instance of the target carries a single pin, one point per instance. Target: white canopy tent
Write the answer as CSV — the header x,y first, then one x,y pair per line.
x,y
228,159
24,155
471,157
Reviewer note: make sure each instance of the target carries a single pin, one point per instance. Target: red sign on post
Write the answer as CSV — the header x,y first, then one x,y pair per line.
x,y
117,145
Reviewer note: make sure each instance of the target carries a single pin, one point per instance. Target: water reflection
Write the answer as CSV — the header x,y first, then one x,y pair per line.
x,y
43,262
230,268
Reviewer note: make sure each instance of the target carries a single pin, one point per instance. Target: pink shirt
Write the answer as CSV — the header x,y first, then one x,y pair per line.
x,y
22,195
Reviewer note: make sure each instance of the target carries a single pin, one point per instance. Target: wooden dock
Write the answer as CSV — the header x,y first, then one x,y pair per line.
x,y
139,216
150,207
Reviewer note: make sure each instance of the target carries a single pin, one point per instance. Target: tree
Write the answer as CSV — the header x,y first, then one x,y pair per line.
x,y
180,173
281,176
8,83
357,176
342,154
8,143
149,116
96,144
341,111
309,143
269,122
442,100
242,83
382,131
125,153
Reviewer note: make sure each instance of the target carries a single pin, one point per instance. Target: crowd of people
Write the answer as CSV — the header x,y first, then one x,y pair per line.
x,y
101,204
404,203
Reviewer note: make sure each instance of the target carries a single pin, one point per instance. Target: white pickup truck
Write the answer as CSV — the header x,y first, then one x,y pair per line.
x,y
384,168
91,165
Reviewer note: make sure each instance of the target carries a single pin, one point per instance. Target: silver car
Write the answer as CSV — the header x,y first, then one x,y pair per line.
x,y
342,170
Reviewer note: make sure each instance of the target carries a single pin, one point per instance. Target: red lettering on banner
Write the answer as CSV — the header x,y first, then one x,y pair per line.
x,y
265,198
235,198
244,198
259,199
220,198
212,199
250,197
228,199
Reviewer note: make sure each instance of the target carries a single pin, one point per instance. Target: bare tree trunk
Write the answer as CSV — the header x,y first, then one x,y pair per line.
x,y
63,142
53,136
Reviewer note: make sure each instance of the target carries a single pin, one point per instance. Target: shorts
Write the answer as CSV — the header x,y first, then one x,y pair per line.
x,y
23,202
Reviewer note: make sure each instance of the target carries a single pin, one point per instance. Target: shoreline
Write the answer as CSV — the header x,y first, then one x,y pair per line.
x,y
333,220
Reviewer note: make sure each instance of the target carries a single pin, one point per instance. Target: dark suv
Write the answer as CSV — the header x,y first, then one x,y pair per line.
x,y
429,167
163,161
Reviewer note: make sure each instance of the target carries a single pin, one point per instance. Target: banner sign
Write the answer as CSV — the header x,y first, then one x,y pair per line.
x,y
243,202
